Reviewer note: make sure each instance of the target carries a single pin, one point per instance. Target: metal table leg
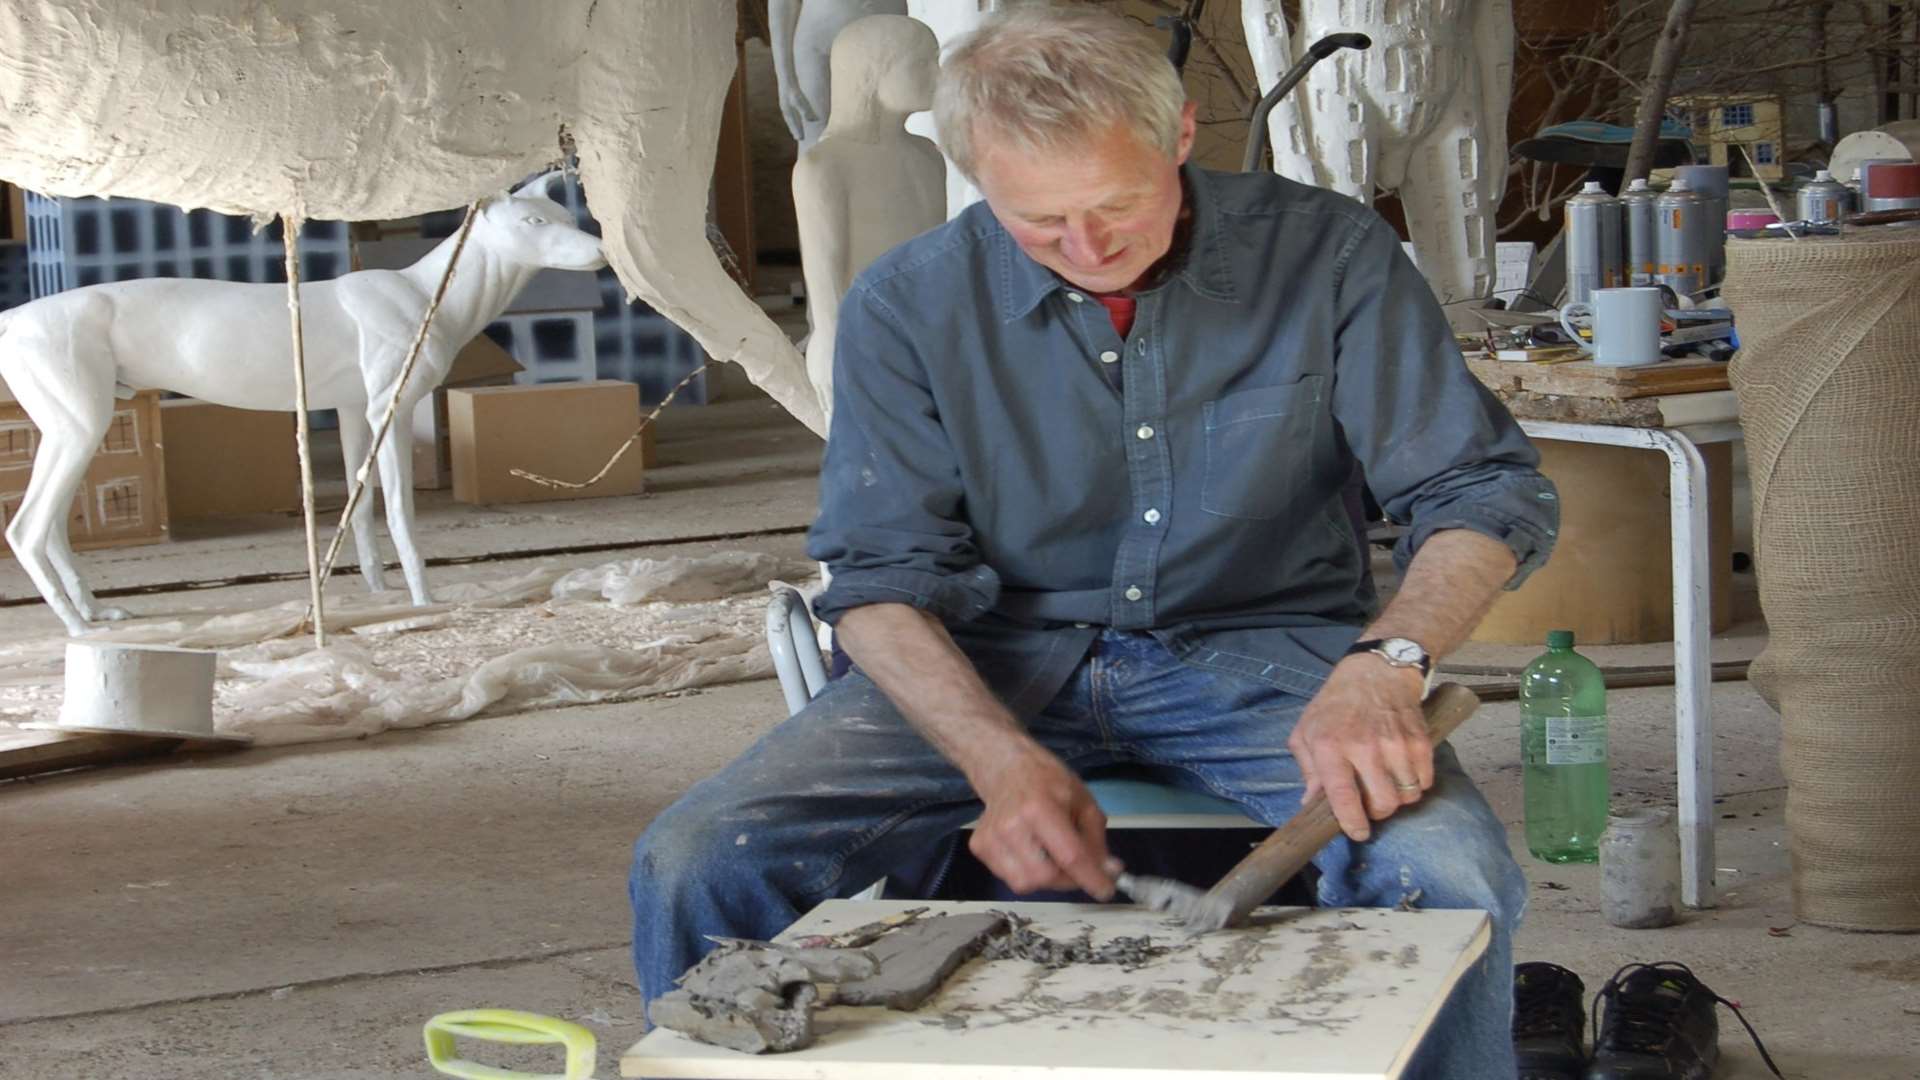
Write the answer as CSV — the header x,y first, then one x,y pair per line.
x,y
1692,628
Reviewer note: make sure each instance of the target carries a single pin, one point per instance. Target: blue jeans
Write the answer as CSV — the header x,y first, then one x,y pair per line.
x,y
841,793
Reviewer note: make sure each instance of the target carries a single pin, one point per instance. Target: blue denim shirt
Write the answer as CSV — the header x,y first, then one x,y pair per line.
x,y
980,466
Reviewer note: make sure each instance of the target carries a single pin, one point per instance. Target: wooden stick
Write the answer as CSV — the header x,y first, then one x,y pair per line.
x,y
362,476
1293,845
316,611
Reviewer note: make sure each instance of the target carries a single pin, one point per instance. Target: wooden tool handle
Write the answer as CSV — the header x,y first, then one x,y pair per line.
x,y
1294,844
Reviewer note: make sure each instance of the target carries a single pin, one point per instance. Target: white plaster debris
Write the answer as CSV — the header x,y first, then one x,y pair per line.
x,y
505,646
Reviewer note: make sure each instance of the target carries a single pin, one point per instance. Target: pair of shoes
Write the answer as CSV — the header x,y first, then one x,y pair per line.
x,y
1658,1024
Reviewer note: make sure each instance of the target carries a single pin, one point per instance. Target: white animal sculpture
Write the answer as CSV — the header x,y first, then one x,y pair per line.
x,y
65,356
1423,112
372,109
867,185
803,36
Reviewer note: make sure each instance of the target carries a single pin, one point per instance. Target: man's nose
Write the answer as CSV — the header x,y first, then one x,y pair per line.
x,y
1087,241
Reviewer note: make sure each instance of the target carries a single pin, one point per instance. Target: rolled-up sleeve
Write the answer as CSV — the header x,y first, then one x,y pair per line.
x,y
1440,452
890,527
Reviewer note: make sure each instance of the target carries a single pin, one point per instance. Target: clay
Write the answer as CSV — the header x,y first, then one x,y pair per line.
x,y
756,997
916,960
1021,942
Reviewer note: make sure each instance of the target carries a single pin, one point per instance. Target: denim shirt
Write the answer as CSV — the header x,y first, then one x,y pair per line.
x,y
981,468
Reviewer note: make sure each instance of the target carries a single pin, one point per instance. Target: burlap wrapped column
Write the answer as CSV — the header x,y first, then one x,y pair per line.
x,y
1828,378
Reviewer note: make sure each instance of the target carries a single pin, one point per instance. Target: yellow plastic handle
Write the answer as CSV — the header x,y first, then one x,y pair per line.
x,y
508,1026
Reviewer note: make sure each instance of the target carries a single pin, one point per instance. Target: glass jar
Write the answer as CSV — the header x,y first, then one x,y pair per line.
x,y
1640,870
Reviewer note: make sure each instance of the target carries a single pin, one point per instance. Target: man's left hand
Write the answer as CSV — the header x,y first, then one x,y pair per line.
x,y
1363,741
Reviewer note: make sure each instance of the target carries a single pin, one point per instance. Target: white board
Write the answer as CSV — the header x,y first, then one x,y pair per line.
x,y
1305,994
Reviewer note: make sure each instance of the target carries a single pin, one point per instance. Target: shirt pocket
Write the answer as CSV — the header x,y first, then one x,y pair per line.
x,y
1259,448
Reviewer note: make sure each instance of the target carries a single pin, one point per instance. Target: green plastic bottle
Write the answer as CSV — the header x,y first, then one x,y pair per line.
x,y
1563,748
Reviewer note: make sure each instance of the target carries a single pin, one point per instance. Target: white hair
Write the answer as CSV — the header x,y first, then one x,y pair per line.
x,y
1038,77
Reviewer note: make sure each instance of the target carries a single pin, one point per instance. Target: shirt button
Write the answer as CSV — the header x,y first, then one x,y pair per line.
x,y
1134,593
1145,432
1076,297
1152,516
1109,357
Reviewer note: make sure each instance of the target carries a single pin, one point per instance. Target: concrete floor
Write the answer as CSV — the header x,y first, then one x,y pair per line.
x,y
298,912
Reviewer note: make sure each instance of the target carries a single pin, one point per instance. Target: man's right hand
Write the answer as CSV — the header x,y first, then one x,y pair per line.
x,y
1041,828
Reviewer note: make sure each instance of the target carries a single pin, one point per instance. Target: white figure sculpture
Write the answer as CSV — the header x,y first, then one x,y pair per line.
x,y
950,21
363,110
867,185
1423,112
803,36
65,356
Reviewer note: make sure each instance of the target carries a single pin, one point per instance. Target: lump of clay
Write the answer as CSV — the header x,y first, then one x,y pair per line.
x,y
756,997
916,960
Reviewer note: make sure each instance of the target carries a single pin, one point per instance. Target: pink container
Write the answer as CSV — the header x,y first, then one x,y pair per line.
x,y
1751,219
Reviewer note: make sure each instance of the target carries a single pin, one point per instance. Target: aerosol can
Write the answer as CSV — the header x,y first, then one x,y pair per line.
x,y
1824,201
1596,242
1679,249
1636,207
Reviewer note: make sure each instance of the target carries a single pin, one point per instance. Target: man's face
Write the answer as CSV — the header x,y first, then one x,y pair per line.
x,y
1099,214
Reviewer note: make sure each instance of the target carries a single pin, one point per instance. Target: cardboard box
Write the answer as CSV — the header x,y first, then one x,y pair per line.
x,y
122,501
562,430
223,461
480,363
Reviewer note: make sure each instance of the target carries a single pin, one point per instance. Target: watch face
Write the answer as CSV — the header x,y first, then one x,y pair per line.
x,y
1403,651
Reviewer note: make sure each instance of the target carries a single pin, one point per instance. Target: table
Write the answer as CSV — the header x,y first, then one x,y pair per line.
x,y
1318,993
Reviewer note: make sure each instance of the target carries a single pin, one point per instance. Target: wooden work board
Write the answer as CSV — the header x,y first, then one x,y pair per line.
x,y
1586,379
1302,993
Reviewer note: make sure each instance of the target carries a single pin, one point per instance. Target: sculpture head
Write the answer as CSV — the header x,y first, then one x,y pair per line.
x,y
892,57
526,227
1074,125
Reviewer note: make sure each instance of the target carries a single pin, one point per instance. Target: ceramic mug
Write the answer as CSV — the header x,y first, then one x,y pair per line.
x,y
1626,326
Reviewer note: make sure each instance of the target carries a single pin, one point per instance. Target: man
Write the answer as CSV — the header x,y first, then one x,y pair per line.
x,y
1082,505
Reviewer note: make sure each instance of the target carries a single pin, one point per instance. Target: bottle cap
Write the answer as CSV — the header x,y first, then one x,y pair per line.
x,y
1593,188
1822,177
1559,639
1638,185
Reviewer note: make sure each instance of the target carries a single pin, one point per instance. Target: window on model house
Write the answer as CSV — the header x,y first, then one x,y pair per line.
x,y
1733,116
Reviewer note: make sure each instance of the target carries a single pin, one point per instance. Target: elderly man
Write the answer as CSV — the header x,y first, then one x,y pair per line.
x,y
1082,506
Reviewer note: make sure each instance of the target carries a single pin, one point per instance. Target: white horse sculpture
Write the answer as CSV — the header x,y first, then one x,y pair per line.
x,y
370,109
65,356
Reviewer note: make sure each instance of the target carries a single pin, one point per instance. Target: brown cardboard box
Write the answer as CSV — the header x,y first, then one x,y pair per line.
x,y
480,363
229,461
562,430
123,499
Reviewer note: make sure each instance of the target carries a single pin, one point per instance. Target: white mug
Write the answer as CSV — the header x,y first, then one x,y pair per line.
x,y
1626,326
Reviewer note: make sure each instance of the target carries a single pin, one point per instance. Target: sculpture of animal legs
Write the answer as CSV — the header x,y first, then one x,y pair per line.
x,y
395,459
72,403
355,436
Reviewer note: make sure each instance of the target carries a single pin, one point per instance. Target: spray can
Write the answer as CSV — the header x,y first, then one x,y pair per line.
x,y
1680,252
1710,183
1636,207
1596,256
1823,201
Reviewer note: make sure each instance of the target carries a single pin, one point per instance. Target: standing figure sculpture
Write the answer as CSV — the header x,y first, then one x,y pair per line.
x,y
1423,113
65,356
803,36
867,185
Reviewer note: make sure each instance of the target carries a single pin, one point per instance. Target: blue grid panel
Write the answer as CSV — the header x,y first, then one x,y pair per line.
x,y
15,284
631,342
77,242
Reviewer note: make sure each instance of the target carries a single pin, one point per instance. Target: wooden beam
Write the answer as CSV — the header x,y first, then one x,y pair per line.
x,y
27,753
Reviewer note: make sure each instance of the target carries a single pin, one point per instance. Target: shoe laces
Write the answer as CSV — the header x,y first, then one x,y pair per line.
x,y
1644,999
1538,1009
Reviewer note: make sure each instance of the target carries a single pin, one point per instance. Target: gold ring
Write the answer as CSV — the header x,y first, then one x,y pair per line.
x,y
1407,787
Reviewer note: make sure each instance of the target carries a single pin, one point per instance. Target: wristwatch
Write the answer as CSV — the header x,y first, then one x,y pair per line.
x,y
1401,653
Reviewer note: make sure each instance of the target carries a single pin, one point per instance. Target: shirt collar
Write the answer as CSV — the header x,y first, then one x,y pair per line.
x,y
1206,270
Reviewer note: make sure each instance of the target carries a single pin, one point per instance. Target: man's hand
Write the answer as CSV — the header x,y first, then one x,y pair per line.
x,y
1363,741
1041,828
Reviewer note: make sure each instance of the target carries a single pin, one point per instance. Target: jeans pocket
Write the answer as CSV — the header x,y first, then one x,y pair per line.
x,y
1260,448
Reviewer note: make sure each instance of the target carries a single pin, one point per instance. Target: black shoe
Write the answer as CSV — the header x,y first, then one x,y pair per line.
x,y
1549,1023
1659,1024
